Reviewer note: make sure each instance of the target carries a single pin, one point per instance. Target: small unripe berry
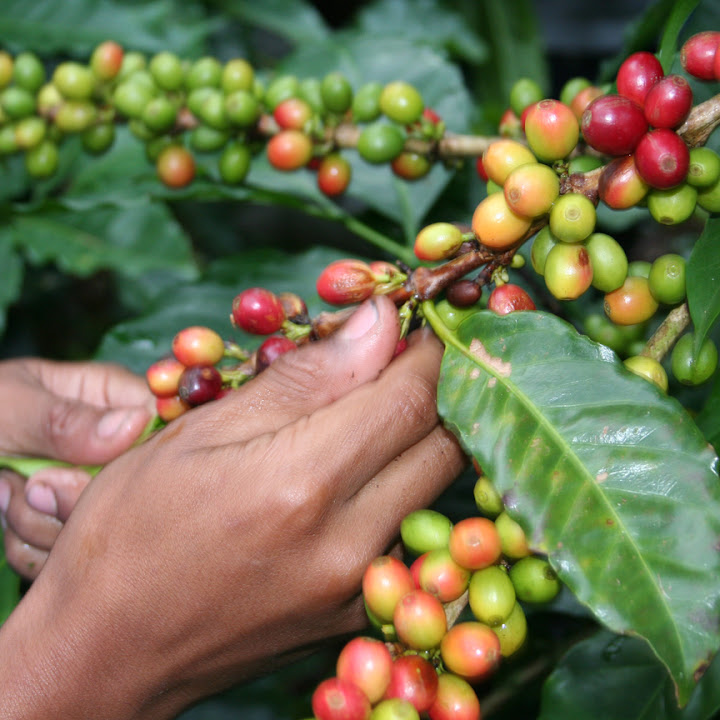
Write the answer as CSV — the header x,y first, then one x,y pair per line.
x,y
205,72
572,218
572,87
198,345
704,168
419,620
292,114
411,166
425,530
238,74
234,163
608,260
366,102
687,368
530,190
674,205
441,576
380,142
512,632
401,102
487,499
524,92
170,408
534,580
42,160
438,241
649,369
502,157
543,243
631,303
667,279
175,166
491,595
496,225
621,186
455,700
513,540
106,60
336,92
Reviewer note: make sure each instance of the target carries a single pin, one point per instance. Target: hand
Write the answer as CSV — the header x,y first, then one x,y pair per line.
x,y
237,537
82,413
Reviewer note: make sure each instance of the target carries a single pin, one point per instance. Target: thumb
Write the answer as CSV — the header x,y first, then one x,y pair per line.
x,y
315,375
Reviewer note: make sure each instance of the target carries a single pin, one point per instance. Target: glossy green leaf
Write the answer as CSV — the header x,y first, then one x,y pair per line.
x,y
679,14
708,419
9,585
607,475
611,676
703,281
12,274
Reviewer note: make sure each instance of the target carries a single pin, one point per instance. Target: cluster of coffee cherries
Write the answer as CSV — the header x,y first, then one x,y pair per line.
x,y
445,620
179,107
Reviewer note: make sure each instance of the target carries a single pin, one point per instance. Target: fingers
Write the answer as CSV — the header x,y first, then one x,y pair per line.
x,y
315,375
55,491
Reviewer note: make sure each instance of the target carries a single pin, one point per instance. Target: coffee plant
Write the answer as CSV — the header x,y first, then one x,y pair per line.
x,y
564,246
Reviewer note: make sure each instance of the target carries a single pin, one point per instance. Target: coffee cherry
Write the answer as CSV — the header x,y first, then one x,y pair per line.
x,y
704,167
424,530
175,166
709,198
394,709
552,130
131,62
697,55
366,663
534,580
572,218
17,103
674,205
649,369
241,108
531,189
75,116
524,92
366,102
471,650
509,298
98,138
170,408
452,316
130,98
411,166
598,328
336,699
234,163
572,87
613,124
669,102
271,349
74,81
334,174
608,260
474,543
487,499
584,164
441,576
687,368
344,282
6,68
621,186
289,150
496,225
163,377
568,271
336,92
205,72
631,303
281,88
385,581
583,99
30,132
159,114
380,142
491,595
512,632
414,680
637,75
438,241
455,700
513,541
28,72
419,620
106,60
401,102
257,311
292,114
198,345
199,384
502,157
662,158
238,74
463,293
510,125
42,161
542,244
639,268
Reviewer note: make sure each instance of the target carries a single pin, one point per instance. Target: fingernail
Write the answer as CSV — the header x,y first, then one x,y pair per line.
x,y
42,498
360,322
115,420
4,497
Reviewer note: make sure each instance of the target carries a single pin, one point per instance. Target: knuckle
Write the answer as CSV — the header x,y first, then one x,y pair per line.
x,y
59,423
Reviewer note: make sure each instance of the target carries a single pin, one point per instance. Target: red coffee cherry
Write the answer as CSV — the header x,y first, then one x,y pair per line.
x,y
163,377
669,102
199,384
583,99
508,298
271,349
551,129
198,345
344,282
385,581
509,125
471,650
530,190
697,55
637,75
292,114
455,700
333,175
419,620
613,124
257,311
336,699
621,186
632,303
170,408
662,158
366,662
474,543
175,166
106,60
414,680
442,577
410,166
289,150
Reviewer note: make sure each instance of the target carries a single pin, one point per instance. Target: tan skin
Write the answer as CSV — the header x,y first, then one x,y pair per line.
x,y
236,538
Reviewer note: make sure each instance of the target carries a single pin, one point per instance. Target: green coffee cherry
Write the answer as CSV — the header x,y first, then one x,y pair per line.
x,y
687,368
145,79
281,88
512,632
366,103
212,111
159,114
8,144
309,91
572,218
48,99
6,68
401,102
75,116
205,72
704,168
543,243
196,98
512,537
99,138
667,279
568,271
234,163
238,74
493,187
452,316
598,328
524,92
425,530
648,368
380,142
17,102
534,580
709,198
204,138
639,268
242,108
336,92
130,98
30,132
141,131
155,146
608,260
491,595
131,62
74,81
674,205
570,89
42,161
584,163
487,499
167,71
28,72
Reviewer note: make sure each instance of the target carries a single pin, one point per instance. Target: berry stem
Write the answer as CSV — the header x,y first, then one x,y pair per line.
x,y
28,465
668,333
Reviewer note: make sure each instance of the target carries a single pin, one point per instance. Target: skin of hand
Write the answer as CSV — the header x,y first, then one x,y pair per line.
x,y
237,537
81,413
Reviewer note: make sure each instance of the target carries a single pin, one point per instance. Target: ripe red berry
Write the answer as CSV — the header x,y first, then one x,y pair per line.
x,y
289,150
583,99
367,663
455,700
430,115
697,55
292,113
199,384
271,349
480,169
637,75
415,680
258,311
508,298
175,166
198,345
163,377
662,158
474,543
669,102
419,620
621,186
471,650
336,699
333,175
344,282
613,124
